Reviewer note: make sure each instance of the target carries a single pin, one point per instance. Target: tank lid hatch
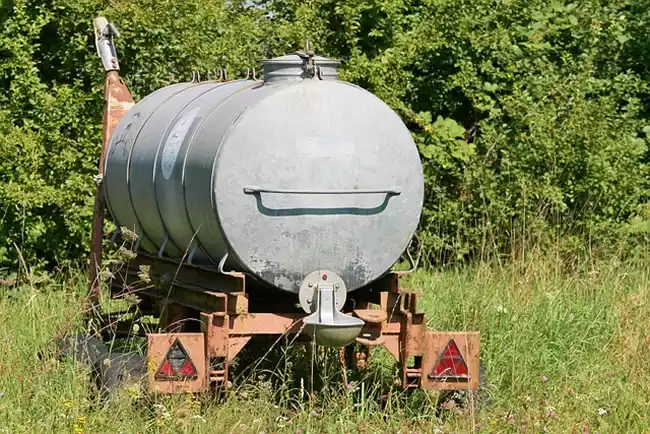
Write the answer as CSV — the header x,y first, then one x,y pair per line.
x,y
295,66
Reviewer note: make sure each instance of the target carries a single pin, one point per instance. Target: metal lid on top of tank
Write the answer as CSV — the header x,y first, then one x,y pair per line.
x,y
295,67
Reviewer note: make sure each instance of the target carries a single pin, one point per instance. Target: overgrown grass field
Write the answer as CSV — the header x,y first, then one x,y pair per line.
x,y
566,349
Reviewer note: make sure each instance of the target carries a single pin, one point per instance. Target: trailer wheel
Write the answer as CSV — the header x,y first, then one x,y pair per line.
x,y
116,370
481,397
81,348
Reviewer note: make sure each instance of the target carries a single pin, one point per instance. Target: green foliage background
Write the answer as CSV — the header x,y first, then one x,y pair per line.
x,y
532,117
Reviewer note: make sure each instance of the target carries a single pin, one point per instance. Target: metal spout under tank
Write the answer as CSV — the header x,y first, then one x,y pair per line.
x,y
323,294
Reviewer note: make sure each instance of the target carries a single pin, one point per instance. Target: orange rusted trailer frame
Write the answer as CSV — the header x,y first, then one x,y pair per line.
x,y
221,303
117,101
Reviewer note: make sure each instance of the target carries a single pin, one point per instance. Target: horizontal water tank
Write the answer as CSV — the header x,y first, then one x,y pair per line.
x,y
298,173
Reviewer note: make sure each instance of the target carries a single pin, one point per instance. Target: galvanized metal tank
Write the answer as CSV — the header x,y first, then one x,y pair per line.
x,y
298,173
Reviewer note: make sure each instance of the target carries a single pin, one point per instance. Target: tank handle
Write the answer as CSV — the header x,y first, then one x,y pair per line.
x,y
253,189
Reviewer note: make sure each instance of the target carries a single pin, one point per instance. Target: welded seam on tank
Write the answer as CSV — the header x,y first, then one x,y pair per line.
x,y
213,174
111,144
128,173
183,186
143,100
161,142
128,163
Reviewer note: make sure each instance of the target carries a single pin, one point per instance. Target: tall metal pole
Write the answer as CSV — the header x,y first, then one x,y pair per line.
x,y
117,101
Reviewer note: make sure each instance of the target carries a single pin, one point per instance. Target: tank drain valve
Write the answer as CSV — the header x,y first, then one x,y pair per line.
x,y
323,294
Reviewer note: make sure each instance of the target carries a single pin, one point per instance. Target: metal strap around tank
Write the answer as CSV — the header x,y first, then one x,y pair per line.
x,y
159,149
128,167
191,139
128,171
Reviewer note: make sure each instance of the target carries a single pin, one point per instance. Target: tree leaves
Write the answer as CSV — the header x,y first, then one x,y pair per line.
x,y
527,114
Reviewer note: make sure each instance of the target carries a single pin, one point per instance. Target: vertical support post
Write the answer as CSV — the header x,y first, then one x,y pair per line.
x,y
172,318
117,101
216,329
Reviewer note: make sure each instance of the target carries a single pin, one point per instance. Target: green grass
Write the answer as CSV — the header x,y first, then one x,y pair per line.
x,y
565,351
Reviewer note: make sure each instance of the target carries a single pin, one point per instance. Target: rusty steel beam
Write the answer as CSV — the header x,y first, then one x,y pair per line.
x,y
117,101
265,324
436,360
194,275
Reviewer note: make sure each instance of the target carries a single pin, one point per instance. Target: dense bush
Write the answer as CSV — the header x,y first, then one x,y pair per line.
x,y
530,116
51,102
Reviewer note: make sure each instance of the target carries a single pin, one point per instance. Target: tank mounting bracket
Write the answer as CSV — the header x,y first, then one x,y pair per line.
x,y
311,283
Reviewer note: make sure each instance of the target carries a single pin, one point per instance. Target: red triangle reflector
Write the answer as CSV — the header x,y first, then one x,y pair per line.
x,y
166,369
450,366
188,369
176,365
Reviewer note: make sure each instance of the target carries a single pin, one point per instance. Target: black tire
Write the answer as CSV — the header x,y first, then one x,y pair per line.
x,y
119,369
83,349
481,397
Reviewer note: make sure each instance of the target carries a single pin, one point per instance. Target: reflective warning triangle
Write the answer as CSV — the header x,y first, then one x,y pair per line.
x,y
177,364
450,365
166,369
